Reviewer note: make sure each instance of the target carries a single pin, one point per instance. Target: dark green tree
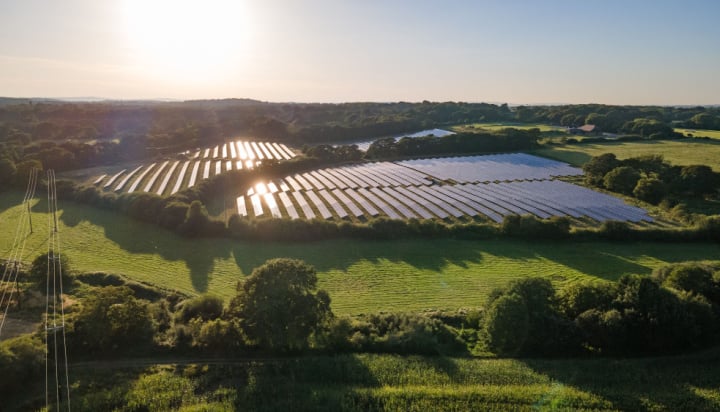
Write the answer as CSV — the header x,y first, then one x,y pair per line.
x,y
622,179
650,189
278,305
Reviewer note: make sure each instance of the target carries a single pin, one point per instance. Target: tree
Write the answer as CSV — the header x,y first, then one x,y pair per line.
x,y
622,179
111,318
596,169
698,180
507,324
7,171
650,189
41,265
278,305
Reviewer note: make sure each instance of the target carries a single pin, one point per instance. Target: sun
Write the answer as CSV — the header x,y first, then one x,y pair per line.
x,y
186,39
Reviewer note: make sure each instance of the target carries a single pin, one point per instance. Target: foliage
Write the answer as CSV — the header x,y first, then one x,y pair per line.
x,y
44,269
278,305
111,319
392,333
21,360
622,179
206,307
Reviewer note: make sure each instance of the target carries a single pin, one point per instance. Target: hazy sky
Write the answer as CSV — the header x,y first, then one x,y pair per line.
x,y
574,51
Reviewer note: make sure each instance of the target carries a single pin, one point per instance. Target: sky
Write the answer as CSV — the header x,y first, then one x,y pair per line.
x,y
520,52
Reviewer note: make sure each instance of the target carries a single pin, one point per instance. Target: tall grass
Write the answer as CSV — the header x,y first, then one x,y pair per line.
x,y
394,383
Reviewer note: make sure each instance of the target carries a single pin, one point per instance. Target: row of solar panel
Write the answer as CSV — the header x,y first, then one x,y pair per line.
x,y
161,174
246,151
543,199
491,168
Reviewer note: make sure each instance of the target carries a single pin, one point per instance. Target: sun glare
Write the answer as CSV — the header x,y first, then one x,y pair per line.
x,y
186,40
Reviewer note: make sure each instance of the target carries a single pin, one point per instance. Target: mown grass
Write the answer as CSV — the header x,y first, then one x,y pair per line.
x,y
394,383
361,276
494,126
713,134
678,152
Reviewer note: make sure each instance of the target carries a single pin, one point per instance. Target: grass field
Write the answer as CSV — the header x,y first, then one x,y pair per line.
x,y
395,383
361,276
494,126
678,152
713,134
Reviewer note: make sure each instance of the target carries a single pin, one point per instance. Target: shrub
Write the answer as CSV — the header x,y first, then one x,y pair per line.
x,y
622,179
205,307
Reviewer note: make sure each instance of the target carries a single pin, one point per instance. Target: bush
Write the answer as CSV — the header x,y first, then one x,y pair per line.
x,y
622,179
507,325
650,189
205,307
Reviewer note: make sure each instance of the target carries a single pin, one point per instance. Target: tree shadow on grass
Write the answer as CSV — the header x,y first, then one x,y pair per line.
x,y
199,255
668,383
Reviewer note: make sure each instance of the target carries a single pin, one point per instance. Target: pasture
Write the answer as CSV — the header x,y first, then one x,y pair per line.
x,y
713,134
678,152
495,126
361,276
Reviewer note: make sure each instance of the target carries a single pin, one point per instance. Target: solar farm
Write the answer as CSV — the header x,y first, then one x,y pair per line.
x,y
170,176
487,187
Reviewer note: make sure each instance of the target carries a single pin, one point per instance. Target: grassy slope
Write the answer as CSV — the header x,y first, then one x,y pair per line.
x,y
679,152
360,276
494,126
713,134
394,383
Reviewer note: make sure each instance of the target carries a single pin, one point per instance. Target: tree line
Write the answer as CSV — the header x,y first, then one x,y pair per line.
x,y
278,309
651,178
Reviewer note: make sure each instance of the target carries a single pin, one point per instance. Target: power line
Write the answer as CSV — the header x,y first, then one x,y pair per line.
x,y
55,270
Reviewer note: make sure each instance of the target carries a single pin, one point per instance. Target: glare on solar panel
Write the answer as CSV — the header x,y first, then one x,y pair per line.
x,y
307,210
137,181
289,207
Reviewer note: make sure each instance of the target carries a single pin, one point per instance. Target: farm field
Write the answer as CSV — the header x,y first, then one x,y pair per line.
x,y
387,382
713,134
361,276
678,152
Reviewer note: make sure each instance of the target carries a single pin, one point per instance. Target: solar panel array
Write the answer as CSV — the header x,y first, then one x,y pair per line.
x,y
492,168
409,189
169,177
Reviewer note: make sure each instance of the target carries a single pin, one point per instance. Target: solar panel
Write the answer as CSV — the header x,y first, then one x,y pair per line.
x,y
334,204
256,204
364,203
272,205
137,181
224,151
326,183
295,185
193,175
215,152
289,207
354,209
112,179
307,210
414,206
167,177
218,167
249,150
233,152
99,179
432,207
274,151
180,178
307,186
455,212
265,151
242,154
391,201
206,171
242,210
154,177
257,150
319,205
392,214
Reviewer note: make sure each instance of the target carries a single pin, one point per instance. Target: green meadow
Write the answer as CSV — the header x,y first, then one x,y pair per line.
x,y
361,276
678,152
713,134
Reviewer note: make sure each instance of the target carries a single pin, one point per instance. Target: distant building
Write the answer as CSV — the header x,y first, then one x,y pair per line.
x,y
585,129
